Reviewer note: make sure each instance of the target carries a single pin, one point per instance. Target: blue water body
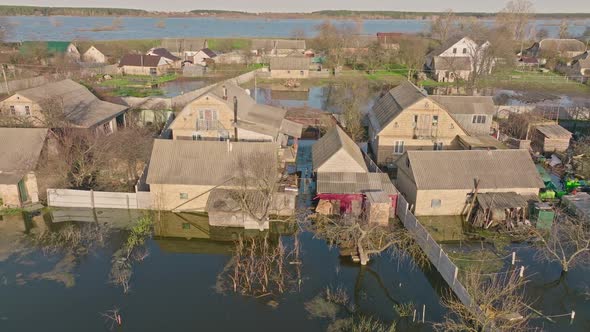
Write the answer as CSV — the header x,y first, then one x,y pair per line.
x,y
73,27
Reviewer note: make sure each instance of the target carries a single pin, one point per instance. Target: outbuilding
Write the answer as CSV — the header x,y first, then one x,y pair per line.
x,y
550,138
337,152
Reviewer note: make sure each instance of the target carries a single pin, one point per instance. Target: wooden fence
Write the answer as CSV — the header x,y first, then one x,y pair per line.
x,y
97,199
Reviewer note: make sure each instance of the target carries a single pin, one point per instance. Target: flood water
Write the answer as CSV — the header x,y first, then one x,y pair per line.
x,y
72,27
174,287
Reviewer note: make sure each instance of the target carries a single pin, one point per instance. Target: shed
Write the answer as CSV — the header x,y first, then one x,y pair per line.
x,y
579,204
337,152
290,67
378,207
501,207
549,138
346,188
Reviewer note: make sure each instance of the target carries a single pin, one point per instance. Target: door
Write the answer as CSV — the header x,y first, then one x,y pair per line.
x,y
22,191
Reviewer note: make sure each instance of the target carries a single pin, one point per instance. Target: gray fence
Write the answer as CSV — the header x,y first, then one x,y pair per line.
x,y
25,83
92,199
437,256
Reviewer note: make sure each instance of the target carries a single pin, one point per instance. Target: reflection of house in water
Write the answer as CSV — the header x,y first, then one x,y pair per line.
x,y
289,95
191,233
14,227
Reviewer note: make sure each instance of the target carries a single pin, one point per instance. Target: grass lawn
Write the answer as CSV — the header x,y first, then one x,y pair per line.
x,y
537,81
225,43
136,86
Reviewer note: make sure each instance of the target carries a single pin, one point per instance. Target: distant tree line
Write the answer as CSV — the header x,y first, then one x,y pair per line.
x,y
68,11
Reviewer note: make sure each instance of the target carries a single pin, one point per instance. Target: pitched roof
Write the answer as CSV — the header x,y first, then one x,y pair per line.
x,y
209,53
139,60
164,53
394,102
457,169
58,46
554,131
20,150
353,183
263,119
81,107
452,63
203,162
562,45
184,44
466,104
263,44
332,142
269,44
290,63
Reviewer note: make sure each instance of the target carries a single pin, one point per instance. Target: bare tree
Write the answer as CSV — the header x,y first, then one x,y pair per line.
x,y
542,34
515,16
499,304
256,185
443,26
564,30
411,54
365,239
350,97
567,243
335,40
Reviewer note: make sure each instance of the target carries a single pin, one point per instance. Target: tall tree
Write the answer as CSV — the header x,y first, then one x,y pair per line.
x,y
443,26
515,16
564,30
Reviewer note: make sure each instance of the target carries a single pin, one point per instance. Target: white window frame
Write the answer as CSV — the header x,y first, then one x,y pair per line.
x,y
479,119
399,147
436,203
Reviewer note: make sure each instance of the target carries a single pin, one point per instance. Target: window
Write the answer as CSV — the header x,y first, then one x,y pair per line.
x,y
479,119
438,146
464,51
454,50
153,71
27,110
435,120
186,225
183,196
415,123
398,148
107,128
435,203
12,110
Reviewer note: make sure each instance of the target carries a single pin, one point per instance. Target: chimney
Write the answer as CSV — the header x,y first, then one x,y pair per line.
x,y
224,93
236,118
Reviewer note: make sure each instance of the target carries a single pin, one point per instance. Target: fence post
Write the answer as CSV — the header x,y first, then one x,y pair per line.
x,y
513,257
127,198
92,198
423,312
455,276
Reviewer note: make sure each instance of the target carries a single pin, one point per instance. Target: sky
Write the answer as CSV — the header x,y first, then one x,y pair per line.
x,y
544,6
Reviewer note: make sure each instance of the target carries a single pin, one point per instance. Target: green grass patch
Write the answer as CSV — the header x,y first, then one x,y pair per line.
x,y
136,80
225,44
137,92
10,211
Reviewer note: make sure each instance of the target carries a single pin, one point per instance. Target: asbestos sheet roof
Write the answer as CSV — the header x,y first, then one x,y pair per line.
x,y
354,183
466,104
452,63
139,60
204,162
81,107
291,128
290,63
554,131
394,102
332,142
20,150
164,53
502,201
481,142
457,169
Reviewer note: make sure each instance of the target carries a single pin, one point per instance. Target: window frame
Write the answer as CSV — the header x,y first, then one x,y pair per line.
x,y
479,119
435,203
183,196
399,147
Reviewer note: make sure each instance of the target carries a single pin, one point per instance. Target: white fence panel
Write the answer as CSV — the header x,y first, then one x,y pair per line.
x,y
91,199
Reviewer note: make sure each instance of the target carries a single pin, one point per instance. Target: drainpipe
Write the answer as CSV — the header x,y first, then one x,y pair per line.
x,y
236,118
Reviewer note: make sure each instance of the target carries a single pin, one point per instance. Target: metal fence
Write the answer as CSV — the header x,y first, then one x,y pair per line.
x,y
437,256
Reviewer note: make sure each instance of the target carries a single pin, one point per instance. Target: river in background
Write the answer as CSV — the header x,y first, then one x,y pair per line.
x,y
73,27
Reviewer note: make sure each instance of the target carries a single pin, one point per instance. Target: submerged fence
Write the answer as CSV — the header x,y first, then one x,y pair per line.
x,y
97,199
437,256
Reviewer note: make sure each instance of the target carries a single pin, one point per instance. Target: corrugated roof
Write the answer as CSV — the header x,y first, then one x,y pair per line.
x,y
260,118
457,169
332,142
164,53
204,162
466,104
20,150
502,201
82,108
452,63
139,60
209,52
291,128
554,131
282,44
353,183
481,142
290,63
394,102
